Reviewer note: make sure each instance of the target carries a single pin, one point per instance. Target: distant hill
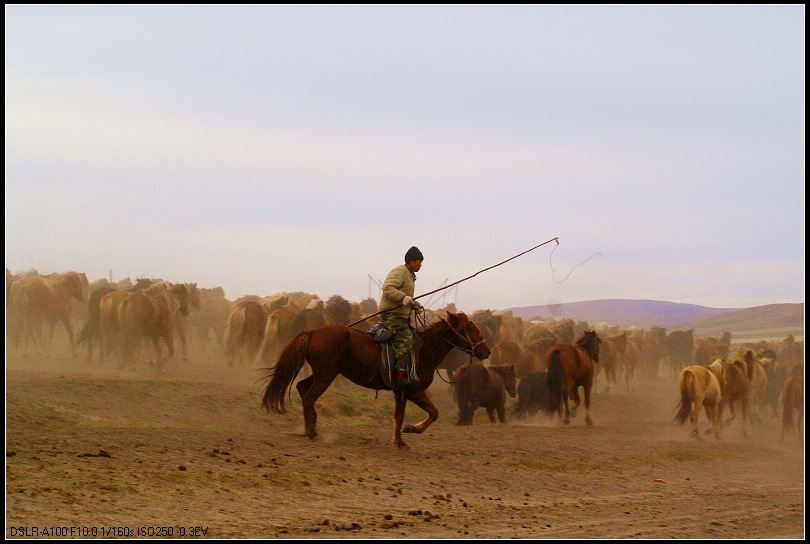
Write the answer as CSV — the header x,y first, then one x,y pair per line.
x,y
674,316
770,317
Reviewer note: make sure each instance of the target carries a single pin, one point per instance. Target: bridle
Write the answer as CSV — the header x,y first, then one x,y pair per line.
x,y
469,349
471,345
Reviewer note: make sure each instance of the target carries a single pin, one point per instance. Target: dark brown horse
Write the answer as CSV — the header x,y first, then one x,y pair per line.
x,y
569,368
336,349
478,386
532,393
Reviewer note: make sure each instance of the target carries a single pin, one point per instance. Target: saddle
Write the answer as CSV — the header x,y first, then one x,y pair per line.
x,y
388,358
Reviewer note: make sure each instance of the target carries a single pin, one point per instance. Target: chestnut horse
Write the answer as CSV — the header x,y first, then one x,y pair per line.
x,y
700,386
737,389
478,386
336,349
569,368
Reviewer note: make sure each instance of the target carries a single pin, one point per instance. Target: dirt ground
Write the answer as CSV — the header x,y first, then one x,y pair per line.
x,y
96,452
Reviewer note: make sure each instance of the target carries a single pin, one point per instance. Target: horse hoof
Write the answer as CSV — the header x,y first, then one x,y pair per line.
x,y
589,422
407,428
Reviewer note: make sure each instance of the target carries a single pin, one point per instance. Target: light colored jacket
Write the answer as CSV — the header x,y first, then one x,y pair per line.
x,y
399,283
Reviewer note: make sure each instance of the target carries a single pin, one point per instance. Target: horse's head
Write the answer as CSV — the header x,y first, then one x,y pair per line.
x,y
590,341
77,285
193,295
466,331
509,378
181,291
141,283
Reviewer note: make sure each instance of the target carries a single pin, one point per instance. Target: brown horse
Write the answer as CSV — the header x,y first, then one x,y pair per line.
x,y
90,333
152,313
180,318
653,350
334,349
212,317
478,386
34,301
635,340
523,359
680,345
700,386
792,399
244,331
609,358
569,368
706,349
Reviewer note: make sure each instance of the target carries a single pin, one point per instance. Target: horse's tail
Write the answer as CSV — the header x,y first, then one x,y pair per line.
x,y
289,364
555,380
271,335
686,383
234,327
126,324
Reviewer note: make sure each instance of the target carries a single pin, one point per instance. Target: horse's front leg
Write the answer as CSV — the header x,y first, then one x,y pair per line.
x,y
420,398
69,329
181,332
588,405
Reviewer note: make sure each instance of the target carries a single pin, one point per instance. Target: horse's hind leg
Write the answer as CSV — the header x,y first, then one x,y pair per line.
x,y
501,413
588,405
311,393
303,385
694,416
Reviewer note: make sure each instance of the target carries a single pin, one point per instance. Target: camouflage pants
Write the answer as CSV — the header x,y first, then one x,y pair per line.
x,y
403,338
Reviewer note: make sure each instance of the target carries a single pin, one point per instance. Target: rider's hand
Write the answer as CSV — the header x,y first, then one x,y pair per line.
x,y
409,302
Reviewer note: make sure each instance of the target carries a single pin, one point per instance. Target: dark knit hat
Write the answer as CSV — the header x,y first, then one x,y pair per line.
x,y
413,254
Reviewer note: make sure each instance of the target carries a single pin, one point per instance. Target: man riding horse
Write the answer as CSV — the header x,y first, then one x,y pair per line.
x,y
396,304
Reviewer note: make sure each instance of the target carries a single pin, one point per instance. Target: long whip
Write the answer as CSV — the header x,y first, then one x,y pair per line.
x,y
555,239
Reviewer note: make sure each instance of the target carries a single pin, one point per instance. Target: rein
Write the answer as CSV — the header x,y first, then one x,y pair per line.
x,y
470,349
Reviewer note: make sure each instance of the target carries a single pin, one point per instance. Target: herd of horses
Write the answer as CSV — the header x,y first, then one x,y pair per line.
x,y
541,363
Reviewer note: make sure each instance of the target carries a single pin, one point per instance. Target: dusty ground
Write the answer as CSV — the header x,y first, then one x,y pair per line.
x,y
93,451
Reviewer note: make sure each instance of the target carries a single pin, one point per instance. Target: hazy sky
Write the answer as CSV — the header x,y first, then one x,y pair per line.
x,y
306,148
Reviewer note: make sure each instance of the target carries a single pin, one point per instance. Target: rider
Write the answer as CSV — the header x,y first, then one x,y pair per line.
x,y
396,305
